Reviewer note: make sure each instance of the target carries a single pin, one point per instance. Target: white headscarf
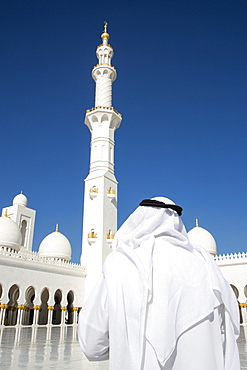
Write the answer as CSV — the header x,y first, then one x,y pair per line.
x,y
130,287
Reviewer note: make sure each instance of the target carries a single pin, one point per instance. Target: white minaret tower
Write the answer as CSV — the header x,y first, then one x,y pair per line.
x,y
24,217
100,192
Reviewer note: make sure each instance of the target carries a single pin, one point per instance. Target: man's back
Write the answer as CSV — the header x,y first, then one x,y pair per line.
x,y
161,304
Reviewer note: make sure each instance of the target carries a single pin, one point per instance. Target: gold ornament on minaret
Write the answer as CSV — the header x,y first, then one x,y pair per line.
x,y
105,34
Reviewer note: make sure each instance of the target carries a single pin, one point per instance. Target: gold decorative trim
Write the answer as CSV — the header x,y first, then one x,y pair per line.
x,y
92,234
75,309
110,235
104,64
243,305
51,308
108,108
64,308
105,45
111,191
12,308
94,190
37,307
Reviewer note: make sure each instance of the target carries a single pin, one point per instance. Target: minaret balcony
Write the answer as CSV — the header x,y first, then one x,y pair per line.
x,y
102,116
104,70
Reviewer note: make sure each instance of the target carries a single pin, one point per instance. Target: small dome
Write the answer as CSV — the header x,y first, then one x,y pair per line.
x,y
105,35
55,245
20,199
203,238
10,234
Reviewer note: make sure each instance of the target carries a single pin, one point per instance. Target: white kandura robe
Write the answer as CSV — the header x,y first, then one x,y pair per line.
x,y
201,347
162,305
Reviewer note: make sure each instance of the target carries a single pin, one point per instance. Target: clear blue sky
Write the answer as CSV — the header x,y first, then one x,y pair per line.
x,y
182,90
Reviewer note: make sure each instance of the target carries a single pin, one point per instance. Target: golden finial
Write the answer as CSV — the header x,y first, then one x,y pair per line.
x,y
6,212
105,34
57,228
105,26
197,223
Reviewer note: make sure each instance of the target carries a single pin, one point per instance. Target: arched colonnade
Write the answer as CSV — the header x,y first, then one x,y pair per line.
x,y
32,307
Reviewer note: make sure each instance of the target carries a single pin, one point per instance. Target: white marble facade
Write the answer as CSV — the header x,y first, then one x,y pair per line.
x,y
36,287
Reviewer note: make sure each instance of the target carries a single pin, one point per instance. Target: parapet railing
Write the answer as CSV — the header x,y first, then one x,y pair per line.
x,y
231,256
35,257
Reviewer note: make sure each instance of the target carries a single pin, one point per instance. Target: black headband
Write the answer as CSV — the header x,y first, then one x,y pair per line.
x,y
156,203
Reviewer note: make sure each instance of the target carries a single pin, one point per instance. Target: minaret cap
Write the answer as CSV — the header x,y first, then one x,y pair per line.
x,y
105,35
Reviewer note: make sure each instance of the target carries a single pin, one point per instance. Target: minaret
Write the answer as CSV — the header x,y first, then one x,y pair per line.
x,y
100,192
24,218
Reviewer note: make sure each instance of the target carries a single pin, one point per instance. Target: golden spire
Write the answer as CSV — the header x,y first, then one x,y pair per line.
x,y
57,228
105,34
6,213
197,223
105,26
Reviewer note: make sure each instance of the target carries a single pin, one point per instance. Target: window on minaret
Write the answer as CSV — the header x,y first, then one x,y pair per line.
x,y
23,232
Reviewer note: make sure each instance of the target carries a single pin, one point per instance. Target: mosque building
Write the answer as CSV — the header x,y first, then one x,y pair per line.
x,y
44,287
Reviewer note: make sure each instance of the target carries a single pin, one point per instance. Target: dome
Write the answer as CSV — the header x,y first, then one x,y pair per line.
x,y
105,35
20,199
10,234
203,238
55,245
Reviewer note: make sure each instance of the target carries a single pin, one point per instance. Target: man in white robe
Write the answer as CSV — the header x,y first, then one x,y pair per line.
x,y
161,303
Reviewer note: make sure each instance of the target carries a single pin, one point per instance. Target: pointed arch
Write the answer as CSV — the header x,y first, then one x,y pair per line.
x,y
29,311
70,306
11,311
56,314
43,313
104,118
94,119
236,292
23,232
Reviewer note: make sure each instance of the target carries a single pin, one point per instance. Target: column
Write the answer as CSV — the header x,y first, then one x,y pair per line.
x,y
75,312
63,309
36,314
50,311
3,308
